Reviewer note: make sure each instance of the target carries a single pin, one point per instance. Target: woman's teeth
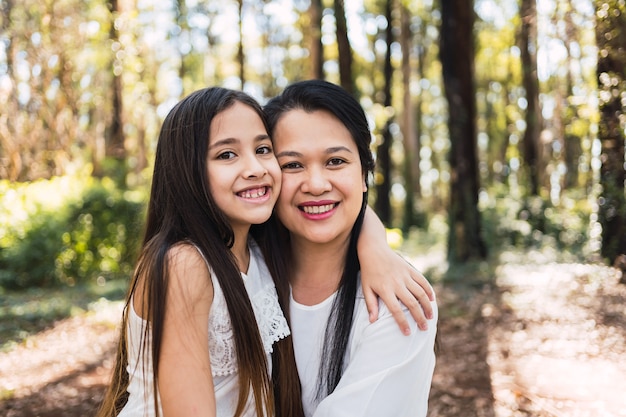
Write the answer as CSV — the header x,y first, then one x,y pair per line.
x,y
318,209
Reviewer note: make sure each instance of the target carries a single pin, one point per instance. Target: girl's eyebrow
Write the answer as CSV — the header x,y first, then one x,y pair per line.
x,y
230,141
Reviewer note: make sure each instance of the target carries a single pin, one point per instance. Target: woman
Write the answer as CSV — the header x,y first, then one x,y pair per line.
x,y
347,365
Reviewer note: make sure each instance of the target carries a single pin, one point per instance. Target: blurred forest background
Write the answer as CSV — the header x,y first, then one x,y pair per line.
x,y
499,134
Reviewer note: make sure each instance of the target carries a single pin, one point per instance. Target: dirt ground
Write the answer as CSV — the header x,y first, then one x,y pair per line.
x,y
544,340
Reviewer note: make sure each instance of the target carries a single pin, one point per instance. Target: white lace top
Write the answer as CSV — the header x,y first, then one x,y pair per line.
x,y
272,327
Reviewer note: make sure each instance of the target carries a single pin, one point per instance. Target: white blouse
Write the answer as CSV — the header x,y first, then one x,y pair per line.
x,y
385,372
272,327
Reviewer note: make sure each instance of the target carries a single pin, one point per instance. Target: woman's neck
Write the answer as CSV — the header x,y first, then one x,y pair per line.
x,y
316,269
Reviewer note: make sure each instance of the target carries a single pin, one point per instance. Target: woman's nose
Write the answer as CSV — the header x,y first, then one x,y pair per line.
x,y
316,182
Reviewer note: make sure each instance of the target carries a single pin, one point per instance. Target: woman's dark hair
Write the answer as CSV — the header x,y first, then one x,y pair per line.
x,y
310,96
182,209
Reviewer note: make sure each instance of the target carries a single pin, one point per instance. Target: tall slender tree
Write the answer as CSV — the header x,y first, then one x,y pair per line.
x,y
410,118
240,52
611,39
316,47
345,50
383,157
115,148
465,240
528,48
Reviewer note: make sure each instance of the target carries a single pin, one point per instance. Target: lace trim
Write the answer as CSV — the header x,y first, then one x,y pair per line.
x,y
272,327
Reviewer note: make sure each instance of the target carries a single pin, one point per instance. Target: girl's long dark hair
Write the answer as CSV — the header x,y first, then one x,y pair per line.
x,y
181,209
310,96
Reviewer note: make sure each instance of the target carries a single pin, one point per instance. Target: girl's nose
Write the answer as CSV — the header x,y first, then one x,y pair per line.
x,y
254,167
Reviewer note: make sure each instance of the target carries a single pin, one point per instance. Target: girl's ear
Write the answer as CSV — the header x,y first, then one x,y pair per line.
x,y
364,183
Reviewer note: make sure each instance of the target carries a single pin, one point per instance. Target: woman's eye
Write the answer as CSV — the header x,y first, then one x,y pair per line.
x,y
290,165
226,155
336,161
264,150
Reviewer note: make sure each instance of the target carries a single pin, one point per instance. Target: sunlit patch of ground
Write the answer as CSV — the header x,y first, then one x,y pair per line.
x,y
56,369
557,347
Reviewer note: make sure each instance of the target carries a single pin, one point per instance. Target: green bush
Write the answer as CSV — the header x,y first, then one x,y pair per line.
x,y
534,223
68,231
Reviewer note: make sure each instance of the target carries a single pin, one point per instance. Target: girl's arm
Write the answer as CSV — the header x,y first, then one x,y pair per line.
x,y
385,274
185,379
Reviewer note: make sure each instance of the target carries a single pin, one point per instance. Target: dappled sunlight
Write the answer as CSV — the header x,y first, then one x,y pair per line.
x,y
550,351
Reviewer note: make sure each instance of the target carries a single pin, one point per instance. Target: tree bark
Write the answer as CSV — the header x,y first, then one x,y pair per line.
x,y
528,47
345,51
316,47
611,72
410,121
383,157
240,54
457,58
115,148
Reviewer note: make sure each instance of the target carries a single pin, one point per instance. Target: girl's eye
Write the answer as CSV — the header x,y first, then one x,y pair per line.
x,y
264,150
226,155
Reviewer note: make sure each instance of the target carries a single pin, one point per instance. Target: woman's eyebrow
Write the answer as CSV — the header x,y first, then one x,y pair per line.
x,y
337,149
289,153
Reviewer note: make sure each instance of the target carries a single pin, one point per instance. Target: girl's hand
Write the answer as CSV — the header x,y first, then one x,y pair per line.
x,y
388,276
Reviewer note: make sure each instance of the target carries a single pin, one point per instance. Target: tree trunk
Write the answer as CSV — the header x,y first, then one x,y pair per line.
x,y
316,47
528,47
240,55
611,18
409,121
457,58
345,51
115,148
383,158
181,21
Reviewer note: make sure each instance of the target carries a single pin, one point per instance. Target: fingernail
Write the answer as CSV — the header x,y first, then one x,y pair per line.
x,y
407,331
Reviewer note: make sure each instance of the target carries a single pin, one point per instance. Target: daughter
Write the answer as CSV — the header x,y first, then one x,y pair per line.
x,y
202,316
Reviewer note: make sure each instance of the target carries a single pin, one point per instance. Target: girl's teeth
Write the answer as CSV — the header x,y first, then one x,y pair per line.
x,y
259,192
318,209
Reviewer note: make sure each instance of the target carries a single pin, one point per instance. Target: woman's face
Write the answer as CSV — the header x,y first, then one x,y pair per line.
x,y
323,182
244,177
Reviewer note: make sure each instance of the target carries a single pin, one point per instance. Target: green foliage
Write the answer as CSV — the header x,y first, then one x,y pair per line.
x,y
67,231
535,223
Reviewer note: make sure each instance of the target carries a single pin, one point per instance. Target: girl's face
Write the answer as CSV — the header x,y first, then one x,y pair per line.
x,y
244,177
323,182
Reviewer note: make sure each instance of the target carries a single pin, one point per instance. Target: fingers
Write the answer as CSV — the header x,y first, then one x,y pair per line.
x,y
419,279
418,305
371,302
420,298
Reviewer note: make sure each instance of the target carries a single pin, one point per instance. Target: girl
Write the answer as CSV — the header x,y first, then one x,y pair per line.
x,y
347,365
201,278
